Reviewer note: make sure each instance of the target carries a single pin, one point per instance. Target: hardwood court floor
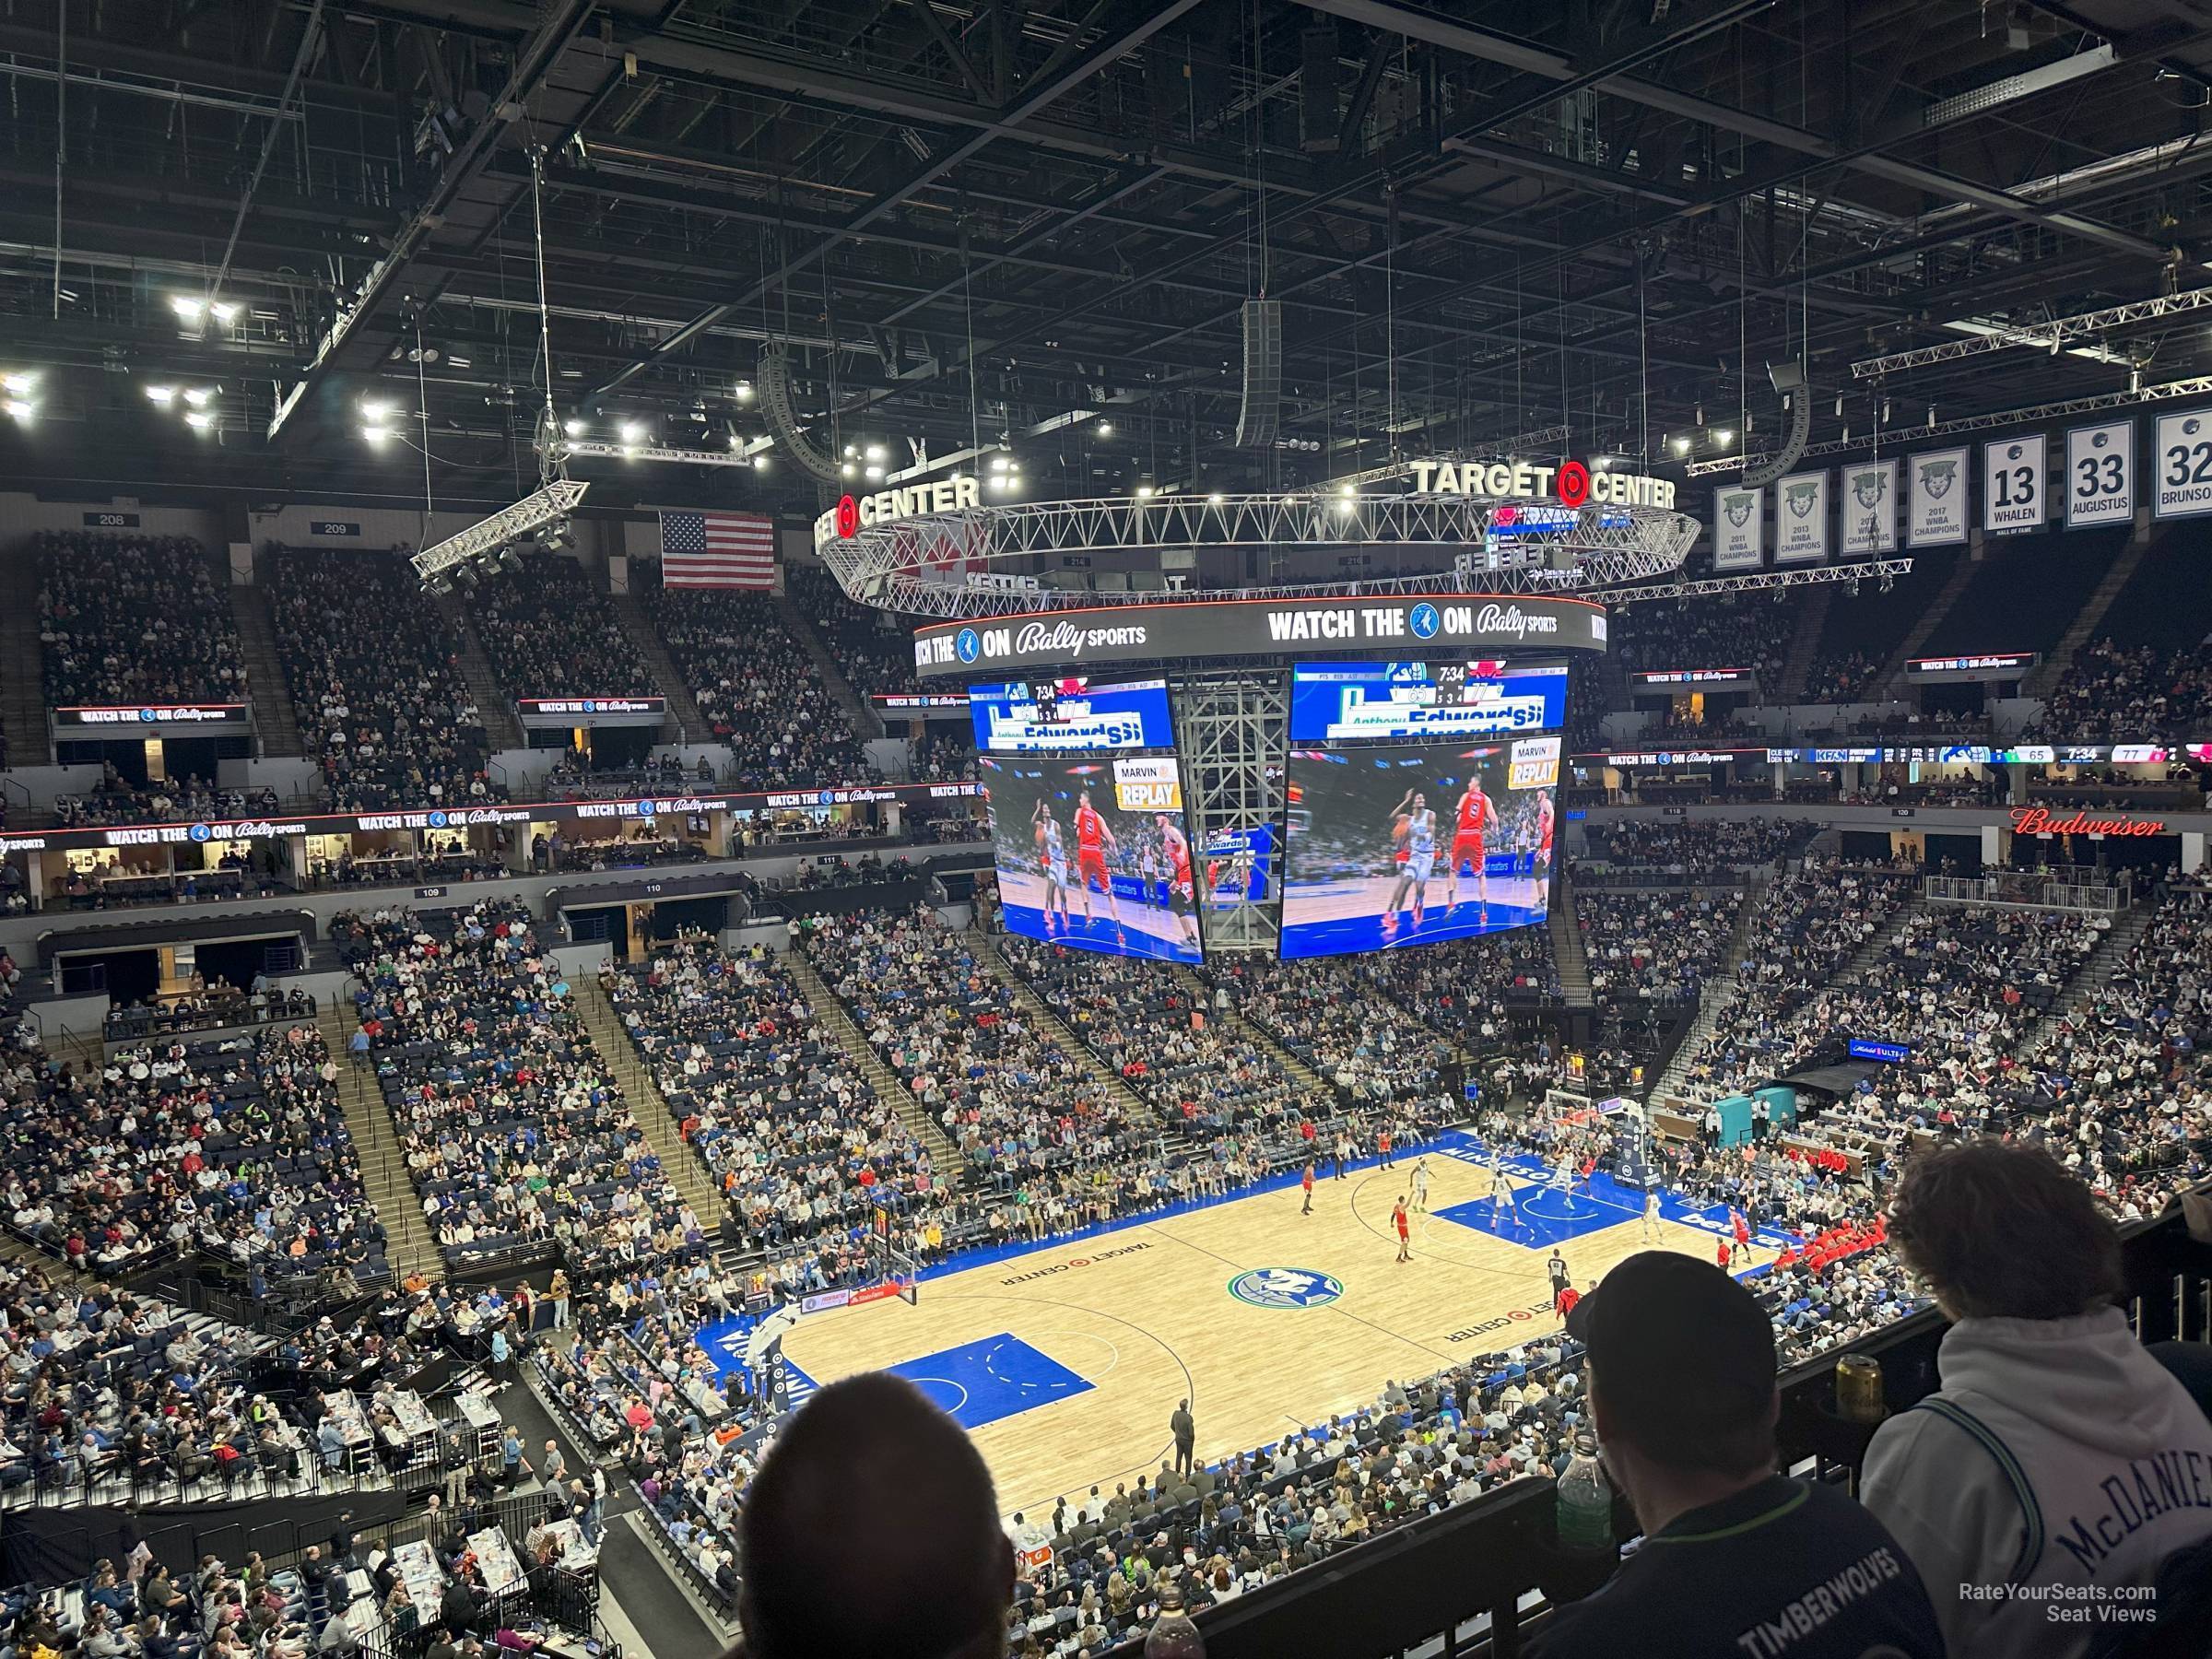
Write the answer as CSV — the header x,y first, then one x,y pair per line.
x,y
1067,1361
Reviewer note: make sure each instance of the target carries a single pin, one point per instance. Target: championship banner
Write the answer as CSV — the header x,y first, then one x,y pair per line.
x,y
2184,461
1870,509
1739,521
1801,519
2012,485
2100,475
1936,507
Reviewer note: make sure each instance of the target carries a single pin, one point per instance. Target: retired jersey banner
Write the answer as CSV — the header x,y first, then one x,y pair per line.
x,y
2100,475
1935,500
1801,518
2184,464
1870,509
1737,523
2013,500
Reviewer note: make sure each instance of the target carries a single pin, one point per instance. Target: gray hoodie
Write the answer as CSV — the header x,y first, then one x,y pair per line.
x,y
2058,1465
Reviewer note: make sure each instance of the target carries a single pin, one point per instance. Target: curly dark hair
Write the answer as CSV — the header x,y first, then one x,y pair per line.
x,y
1999,1230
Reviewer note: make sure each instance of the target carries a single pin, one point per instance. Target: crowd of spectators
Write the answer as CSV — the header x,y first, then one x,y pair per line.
x,y
514,1132
236,1146
2111,693
1698,849
551,631
872,656
1750,630
189,800
944,755
758,688
1654,947
576,777
135,620
1193,1061
1368,1046
782,1117
376,682
1016,1105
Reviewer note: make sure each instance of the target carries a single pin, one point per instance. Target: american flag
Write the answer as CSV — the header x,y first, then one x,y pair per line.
x,y
717,550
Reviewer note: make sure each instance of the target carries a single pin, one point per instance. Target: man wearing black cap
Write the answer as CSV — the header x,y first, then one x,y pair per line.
x,y
1737,1560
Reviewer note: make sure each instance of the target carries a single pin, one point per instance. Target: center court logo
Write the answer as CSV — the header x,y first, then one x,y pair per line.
x,y
1285,1288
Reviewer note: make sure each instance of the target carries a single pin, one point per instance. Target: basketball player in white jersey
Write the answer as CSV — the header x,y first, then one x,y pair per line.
x,y
1056,865
1420,1184
1416,826
1651,1216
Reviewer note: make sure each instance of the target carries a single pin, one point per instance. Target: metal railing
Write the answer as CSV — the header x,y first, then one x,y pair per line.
x,y
2013,890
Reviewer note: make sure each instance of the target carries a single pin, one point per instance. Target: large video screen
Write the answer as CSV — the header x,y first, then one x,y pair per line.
x,y
1091,852
1416,844
1070,716
1412,701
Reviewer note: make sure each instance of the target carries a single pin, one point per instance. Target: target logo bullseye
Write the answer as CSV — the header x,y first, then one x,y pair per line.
x,y
1573,483
848,517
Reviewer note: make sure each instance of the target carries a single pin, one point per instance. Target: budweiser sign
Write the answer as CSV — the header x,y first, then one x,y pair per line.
x,y
2041,820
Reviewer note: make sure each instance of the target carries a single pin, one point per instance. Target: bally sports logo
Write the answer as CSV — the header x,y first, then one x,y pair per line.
x,y
1511,619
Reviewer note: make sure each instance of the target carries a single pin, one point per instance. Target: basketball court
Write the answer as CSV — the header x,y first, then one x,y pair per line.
x,y
1065,1359
1347,915
1147,929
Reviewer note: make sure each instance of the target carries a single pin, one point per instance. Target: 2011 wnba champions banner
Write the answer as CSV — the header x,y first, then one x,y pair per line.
x,y
1738,522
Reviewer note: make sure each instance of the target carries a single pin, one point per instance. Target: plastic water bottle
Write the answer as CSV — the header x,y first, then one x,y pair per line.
x,y
1173,1635
1585,1499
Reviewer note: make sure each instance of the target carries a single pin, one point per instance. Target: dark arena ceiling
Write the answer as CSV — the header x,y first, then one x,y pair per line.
x,y
1033,222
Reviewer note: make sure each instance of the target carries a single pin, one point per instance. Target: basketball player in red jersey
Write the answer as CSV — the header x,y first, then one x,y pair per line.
x,y
1093,842
1475,816
1544,823
1179,888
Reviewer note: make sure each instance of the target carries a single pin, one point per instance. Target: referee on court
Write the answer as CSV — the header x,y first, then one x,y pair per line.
x,y
1186,1436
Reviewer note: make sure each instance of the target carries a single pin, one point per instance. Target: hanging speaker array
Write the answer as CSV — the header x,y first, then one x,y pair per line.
x,y
782,421
1259,413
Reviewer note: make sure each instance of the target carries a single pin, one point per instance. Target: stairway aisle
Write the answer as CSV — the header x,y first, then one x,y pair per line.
x,y
2084,627
867,723
494,707
662,1131
408,1245
1718,994
1133,1105
273,720
1566,931
22,685
832,1012
691,723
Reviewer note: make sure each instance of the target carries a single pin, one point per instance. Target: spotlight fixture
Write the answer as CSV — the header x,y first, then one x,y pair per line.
x,y
20,382
223,311
21,410
851,450
745,391
197,396
199,421
1724,437
632,433
760,462
998,464
1144,492
164,395
1839,405
549,504
1931,418
874,452
555,536
1700,415
847,469
375,410
1105,428
1681,446
375,434
510,560
872,471
1214,498
574,428
1888,412
188,307
465,577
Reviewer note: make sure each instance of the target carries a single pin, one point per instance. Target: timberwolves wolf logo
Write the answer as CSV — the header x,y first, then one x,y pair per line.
x,y
1938,477
2099,440
1739,509
1285,1288
1868,489
2013,453
1800,498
